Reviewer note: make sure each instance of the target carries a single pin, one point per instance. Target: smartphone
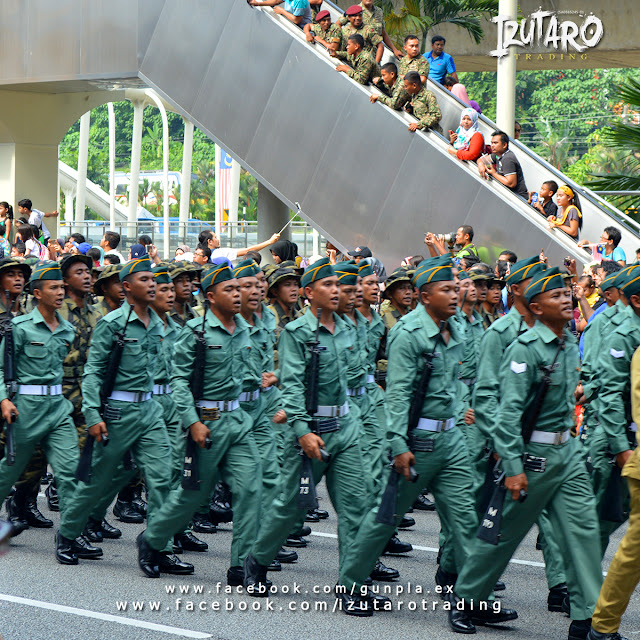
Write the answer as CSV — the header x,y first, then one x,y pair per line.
x,y
534,198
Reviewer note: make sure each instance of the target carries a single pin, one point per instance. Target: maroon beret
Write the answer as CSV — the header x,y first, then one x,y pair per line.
x,y
353,10
322,15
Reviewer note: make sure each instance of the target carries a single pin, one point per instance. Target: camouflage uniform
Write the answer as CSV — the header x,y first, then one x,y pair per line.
x,y
418,64
282,320
334,31
364,68
189,314
373,18
371,37
390,315
426,109
398,95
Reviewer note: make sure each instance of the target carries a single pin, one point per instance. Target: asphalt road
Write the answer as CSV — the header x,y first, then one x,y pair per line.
x,y
42,600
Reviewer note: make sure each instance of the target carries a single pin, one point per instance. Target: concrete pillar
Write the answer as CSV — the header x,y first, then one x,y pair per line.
x,y
69,195
83,157
185,187
136,148
112,166
506,90
273,214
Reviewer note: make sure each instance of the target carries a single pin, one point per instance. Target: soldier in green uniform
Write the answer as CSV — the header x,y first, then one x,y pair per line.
x,y
436,448
413,60
486,399
362,68
332,427
372,39
182,275
324,30
130,418
424,105
232,454
395,95
39,411
108,289
549,467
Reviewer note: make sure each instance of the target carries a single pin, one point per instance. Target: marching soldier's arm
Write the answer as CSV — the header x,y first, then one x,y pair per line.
x,y
403,358
486,391
613,367
517,385
635,390
102,341
293,372
184,361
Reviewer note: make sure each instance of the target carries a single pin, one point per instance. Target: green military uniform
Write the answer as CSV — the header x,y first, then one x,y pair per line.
x,y
562,487
426,109
373,18
364,67
43,412
345,472
233,455
334,31
371,38
438,445
140,427
486,400
418,64
395,96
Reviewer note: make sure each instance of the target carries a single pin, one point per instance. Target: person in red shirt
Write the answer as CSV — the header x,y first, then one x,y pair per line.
x,y
467,141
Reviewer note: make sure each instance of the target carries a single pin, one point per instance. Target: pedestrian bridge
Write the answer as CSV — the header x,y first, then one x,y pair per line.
x,y
249,80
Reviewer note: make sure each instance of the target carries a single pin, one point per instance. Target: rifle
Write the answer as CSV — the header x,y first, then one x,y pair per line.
x,y
11,384
389,504
83,471
489,529
190,470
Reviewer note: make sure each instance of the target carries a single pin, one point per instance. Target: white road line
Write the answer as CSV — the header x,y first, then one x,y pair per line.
x,y
85,613
529,563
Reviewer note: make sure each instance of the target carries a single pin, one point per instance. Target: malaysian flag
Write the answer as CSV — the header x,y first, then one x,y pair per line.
x,y
226,163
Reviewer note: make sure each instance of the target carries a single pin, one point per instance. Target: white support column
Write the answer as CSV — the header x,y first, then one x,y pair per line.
x,y
69,194
316,243
112,166
234,195
165,169
83,157
136,149
273,214
217,210
185,188
506,90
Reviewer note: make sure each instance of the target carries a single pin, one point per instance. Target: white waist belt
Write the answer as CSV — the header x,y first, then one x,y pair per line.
x,y
370,379
425,424
249,396
222,405
360,391
331,411
130,396
161,389
544,437
40,389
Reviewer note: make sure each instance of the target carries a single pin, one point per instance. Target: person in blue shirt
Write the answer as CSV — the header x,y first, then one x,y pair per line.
x,y
608,246
440,63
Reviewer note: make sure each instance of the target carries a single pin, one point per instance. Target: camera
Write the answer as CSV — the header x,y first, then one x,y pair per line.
x,y
446,237
567,262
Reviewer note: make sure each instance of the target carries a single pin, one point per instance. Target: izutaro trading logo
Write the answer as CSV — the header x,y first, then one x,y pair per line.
x,y
544,29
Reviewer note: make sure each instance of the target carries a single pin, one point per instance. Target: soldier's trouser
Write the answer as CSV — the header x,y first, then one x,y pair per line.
x,y
372,444
141,430
234,458
376,394
602,468
265,438
445,471
272,404
45,420
563,488
623,574
345,482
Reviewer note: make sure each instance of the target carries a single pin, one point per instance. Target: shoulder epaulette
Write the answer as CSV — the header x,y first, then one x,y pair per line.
x,y
527,337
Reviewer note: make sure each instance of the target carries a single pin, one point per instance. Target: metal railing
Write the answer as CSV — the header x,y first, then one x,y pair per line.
x,y
234,235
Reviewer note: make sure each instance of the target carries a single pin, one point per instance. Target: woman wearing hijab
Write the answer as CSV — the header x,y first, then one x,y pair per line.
x,y
467,140
283,251
569,216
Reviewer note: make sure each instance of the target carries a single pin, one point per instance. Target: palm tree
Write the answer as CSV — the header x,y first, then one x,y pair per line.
x,y
624,137
419,16
554,144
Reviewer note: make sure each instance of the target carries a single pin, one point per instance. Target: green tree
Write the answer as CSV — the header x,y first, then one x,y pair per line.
x,y
554,143
419,16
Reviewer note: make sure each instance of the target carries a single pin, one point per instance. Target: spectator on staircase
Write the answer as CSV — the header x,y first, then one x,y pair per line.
x,y
413,61
423,105
362,67
503,166
372,39
395,95
296,11
467,141
440,63
457,88
569,216
323,30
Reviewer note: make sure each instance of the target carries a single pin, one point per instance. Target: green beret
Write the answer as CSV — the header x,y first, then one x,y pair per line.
x,y
623,276
438,269
47,270
108,272
347,272
135,266
609,282
246,269
545,281
281,273
69,260
12,263
220,273
463,275
365,269
631,284
524,269
161,274
319,270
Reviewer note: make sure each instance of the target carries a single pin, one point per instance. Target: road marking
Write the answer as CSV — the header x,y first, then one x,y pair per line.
x,y
529,563
85,613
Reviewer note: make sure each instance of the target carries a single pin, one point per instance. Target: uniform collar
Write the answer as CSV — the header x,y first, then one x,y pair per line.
x,y
312,321
154,318
546,335
38,319
433,329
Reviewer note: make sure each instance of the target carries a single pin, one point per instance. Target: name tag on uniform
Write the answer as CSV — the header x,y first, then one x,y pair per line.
x,y
214,346
131,340
518,367
616,354
37,344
